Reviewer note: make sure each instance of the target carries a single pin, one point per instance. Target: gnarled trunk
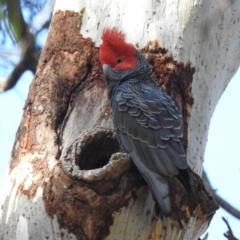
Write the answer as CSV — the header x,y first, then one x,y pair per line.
x,y
66,178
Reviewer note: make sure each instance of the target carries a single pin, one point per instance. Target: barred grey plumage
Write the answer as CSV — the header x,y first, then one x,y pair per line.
x,y
147,122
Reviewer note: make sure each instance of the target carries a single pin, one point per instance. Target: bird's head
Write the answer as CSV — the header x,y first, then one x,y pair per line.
x,y
120,60
115,53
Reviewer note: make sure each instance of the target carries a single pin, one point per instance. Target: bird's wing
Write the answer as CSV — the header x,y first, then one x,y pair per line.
x,y
148,117
147,122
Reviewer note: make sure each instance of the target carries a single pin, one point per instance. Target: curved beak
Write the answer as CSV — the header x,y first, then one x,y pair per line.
x,y
106,68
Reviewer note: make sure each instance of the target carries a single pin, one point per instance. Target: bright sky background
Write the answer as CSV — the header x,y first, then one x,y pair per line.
x,y
222,159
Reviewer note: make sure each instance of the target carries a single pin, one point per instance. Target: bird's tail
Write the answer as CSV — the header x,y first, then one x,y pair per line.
x,y
158,186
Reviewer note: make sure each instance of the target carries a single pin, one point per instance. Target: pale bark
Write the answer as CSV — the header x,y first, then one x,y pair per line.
x,y
61,183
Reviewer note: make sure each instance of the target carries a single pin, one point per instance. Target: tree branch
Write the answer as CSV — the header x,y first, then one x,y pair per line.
x,y
225,205
29,52
229,234
28,61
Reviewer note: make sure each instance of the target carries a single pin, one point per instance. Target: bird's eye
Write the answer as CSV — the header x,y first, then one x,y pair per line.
x,y
119,60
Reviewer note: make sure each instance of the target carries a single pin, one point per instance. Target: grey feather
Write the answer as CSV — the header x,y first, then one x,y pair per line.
x,y
157,183
119,96
160,142
129,103
123,107
147,122
122,101
148,157
153,108
137,113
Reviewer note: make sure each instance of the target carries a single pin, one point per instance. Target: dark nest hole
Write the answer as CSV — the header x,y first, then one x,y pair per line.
x,y
97,151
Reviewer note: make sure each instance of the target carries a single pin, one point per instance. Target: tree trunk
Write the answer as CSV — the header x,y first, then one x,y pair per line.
x,y
66,179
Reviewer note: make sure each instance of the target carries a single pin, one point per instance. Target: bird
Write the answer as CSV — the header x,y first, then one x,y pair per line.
x,y
146,119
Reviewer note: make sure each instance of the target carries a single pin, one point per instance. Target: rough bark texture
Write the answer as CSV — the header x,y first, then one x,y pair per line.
x,y
66,139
